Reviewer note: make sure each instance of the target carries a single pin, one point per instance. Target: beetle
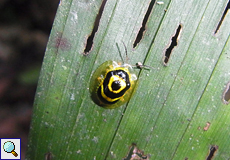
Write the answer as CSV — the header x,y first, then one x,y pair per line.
x,y
111,84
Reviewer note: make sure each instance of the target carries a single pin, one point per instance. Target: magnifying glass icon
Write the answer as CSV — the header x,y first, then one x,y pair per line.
x,y
9,147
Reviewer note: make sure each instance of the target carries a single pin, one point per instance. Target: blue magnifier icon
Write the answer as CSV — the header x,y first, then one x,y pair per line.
x,y
9,147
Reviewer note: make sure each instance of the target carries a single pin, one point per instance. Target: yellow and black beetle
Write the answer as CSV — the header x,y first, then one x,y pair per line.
x,y
111,84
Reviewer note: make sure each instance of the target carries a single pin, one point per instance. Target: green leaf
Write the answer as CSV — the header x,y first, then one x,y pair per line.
x,y
177,109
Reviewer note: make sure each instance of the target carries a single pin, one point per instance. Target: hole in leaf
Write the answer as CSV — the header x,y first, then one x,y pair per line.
x,y
89,43
222,18
48,156
226,95
212,152
135,153
142,29
172,45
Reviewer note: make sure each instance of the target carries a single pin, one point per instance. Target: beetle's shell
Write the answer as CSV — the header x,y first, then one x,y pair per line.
x,y
111,85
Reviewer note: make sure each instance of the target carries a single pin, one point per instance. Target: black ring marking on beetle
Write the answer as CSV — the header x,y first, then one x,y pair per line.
x,y
115,86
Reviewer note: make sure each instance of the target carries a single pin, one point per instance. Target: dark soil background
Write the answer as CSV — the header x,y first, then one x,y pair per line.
x,y
25,26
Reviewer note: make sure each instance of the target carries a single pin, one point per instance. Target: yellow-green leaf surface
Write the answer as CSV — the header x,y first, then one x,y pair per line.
x,y
177,110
